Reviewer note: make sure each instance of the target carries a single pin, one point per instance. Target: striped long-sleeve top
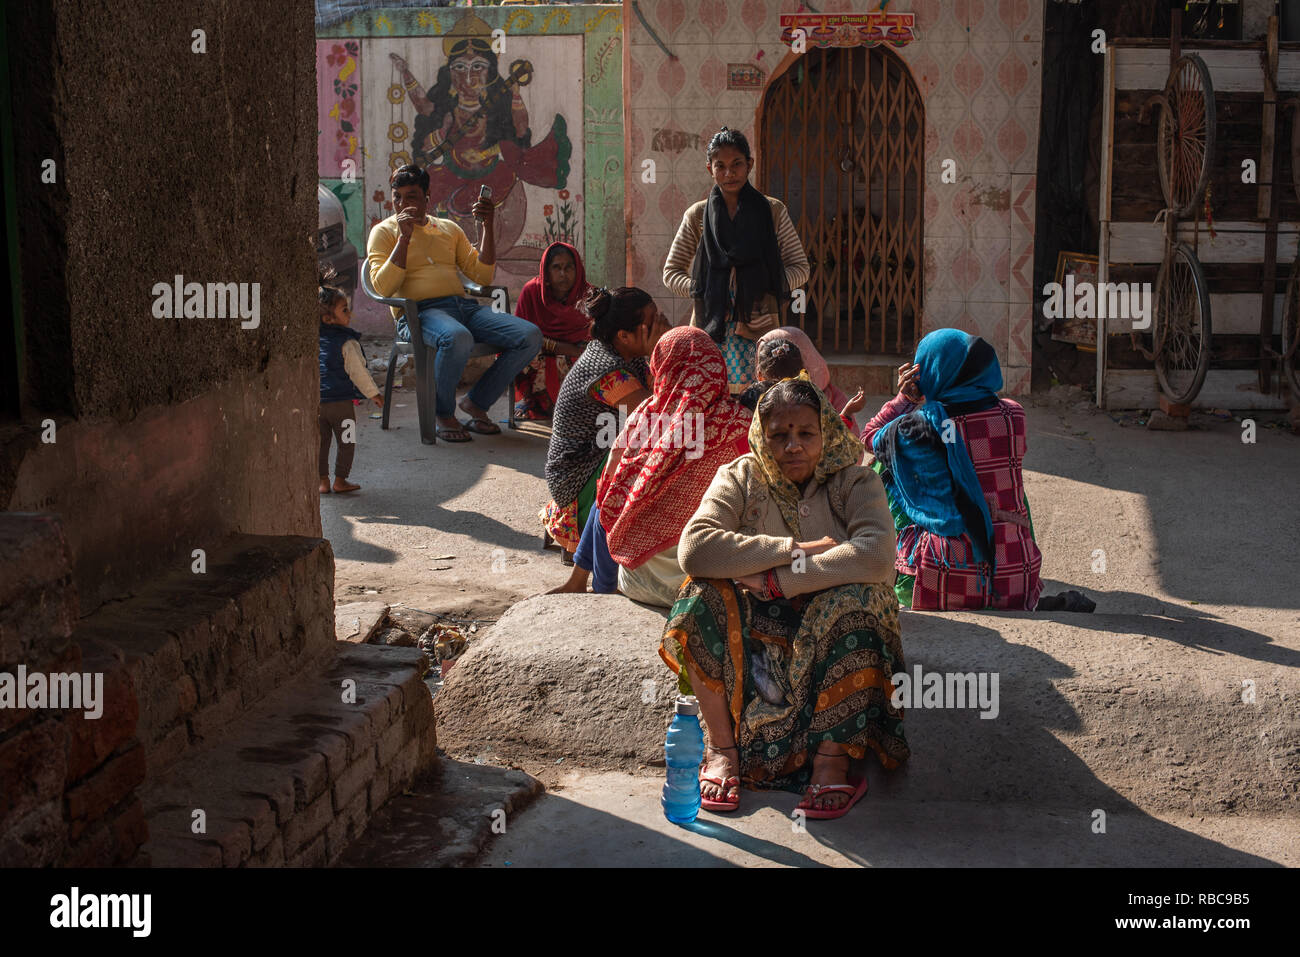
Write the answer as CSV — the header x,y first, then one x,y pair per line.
x,y
677,268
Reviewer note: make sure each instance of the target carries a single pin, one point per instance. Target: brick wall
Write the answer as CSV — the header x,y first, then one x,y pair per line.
x,y
70,783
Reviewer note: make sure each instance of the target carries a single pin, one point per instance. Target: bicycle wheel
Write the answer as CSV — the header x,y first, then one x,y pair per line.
x,y
1182,325
1185,145
1291,329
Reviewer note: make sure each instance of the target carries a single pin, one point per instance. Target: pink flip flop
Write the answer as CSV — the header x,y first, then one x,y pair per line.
x,y
858,788
726,785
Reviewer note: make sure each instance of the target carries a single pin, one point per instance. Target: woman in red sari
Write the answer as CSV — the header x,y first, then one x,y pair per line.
x,y
664,461
550,301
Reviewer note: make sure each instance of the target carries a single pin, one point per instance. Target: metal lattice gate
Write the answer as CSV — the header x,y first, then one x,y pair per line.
x,y
841,142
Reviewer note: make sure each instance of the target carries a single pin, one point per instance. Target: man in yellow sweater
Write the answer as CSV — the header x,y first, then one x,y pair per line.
x,y
414,256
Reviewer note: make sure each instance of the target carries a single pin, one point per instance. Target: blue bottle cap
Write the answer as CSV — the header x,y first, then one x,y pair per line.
x,y
688,704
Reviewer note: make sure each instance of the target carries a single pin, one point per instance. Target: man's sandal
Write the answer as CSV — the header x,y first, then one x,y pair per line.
x,y
479,424
449,433
482,426
857,788
726,784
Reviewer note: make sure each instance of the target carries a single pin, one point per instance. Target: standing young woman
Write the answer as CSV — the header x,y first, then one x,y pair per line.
x,y
738,256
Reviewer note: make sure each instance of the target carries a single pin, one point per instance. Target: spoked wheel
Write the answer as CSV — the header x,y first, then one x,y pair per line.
x,y
1291,330
1185,146
1182,325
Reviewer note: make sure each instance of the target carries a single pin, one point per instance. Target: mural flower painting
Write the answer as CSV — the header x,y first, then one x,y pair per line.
x,y
561,227
344,56
340,52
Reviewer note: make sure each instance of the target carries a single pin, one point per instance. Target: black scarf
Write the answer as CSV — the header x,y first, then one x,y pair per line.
x,y
746,244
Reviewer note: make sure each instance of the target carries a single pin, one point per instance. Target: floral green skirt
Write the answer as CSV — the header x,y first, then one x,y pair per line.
x,y
794,672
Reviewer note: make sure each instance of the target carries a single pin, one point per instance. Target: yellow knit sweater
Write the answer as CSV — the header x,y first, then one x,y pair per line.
x,y
436,252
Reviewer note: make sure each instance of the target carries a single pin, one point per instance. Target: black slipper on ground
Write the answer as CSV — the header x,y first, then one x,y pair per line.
x,y
1067,601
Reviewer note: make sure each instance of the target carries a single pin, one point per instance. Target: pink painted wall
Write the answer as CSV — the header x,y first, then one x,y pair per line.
x,y
978,65
338,107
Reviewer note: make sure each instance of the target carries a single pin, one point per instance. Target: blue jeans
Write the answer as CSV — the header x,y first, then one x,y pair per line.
x,y
452,324
593,556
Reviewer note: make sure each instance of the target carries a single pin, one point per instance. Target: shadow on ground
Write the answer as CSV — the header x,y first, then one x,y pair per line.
x,y
406,484
1217,505
1176,623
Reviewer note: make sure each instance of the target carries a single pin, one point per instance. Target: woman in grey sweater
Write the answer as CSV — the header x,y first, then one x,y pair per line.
x,y
787,630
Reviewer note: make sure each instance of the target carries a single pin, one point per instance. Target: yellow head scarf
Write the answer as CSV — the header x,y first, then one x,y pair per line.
x,y
840,449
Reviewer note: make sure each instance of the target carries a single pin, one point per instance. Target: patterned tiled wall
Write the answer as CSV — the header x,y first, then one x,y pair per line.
x,y
978,66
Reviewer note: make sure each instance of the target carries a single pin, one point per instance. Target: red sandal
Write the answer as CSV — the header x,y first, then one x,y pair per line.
x,y
857,787
726,784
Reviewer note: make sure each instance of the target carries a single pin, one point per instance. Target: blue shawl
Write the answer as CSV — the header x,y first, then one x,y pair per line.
x,y
934,481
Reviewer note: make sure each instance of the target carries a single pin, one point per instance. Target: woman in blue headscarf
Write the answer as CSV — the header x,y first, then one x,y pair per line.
x,y
949,452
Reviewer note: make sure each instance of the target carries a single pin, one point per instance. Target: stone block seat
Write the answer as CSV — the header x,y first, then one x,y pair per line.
x,y
1093,711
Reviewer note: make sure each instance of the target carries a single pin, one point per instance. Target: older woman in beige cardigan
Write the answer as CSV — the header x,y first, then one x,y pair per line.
x,y
787,630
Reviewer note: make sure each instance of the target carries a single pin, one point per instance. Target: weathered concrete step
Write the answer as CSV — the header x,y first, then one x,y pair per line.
x,y
613,819
296,778
1089,706
446,818
201,649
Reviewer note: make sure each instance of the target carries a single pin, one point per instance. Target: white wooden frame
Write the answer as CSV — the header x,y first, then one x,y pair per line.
x,y
1231,70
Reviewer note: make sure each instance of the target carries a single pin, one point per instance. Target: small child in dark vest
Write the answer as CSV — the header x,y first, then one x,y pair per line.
x,y
343,377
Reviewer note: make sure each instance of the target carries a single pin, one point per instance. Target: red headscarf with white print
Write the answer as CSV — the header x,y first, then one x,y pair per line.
x,y
675,441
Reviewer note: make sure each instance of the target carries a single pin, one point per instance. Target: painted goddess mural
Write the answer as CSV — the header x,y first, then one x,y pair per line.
x,y
472,129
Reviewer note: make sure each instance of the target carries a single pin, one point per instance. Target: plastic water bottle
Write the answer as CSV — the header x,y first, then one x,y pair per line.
x,y
683,752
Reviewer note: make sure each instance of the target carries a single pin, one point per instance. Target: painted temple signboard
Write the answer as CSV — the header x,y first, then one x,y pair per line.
x,y
848,29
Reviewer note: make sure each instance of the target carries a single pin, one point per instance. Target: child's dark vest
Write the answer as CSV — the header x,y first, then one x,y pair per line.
x,y
335,384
